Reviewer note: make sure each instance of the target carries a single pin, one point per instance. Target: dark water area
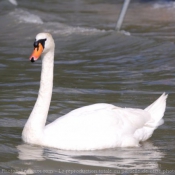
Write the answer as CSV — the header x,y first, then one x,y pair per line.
x,y
93,64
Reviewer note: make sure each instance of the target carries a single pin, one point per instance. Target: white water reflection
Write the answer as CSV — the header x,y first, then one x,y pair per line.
x,y
29,152
144,157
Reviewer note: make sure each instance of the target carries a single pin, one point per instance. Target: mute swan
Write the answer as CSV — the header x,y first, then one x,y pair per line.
x,y
92,127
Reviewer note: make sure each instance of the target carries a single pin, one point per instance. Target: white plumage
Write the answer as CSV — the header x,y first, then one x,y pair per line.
x,y
96,126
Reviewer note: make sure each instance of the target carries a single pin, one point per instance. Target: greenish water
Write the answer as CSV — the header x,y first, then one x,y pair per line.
x,y
93,64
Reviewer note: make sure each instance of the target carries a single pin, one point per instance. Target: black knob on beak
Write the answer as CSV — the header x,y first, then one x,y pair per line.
x,y
32,60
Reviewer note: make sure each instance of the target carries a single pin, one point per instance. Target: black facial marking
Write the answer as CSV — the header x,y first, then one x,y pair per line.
x,y
36,43
42,41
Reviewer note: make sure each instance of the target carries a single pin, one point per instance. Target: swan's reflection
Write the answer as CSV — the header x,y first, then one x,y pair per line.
x,y
144,157
30,152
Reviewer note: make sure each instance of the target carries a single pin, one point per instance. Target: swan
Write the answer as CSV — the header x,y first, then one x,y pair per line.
x,y
93,127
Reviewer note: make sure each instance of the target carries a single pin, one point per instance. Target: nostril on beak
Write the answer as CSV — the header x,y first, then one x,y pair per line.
x,y
32,60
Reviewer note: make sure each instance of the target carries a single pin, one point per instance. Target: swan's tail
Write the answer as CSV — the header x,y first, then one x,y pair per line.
x,y
156,111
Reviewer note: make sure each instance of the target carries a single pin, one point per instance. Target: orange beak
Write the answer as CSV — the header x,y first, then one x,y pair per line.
x,y
36,53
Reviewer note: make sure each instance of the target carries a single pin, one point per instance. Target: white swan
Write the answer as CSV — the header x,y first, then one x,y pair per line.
x,y
96,126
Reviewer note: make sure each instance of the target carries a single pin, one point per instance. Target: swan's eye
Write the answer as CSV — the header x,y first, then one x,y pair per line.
x,y
41,41
35,44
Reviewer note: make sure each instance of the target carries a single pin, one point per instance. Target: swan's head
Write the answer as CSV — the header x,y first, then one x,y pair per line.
x,y
43,44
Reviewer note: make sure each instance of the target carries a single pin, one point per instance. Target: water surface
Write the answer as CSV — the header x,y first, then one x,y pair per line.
x,y
93,64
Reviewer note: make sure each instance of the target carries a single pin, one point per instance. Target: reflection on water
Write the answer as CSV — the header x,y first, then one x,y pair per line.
x,y
145,157
29,152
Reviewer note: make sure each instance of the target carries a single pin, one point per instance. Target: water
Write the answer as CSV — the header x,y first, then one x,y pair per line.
x,y
93,64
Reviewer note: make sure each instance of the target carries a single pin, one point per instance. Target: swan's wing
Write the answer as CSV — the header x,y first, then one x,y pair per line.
x,y
99,118
87,116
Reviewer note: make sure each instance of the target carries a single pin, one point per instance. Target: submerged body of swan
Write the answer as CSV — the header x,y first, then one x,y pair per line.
x,y
97,126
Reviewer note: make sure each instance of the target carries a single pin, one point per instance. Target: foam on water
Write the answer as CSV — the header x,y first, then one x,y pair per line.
x,y
170,5
14,2
75,30
26,17
62,29
58,28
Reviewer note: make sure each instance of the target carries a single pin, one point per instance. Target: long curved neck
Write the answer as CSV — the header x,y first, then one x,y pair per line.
x,y
41,108
37,119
